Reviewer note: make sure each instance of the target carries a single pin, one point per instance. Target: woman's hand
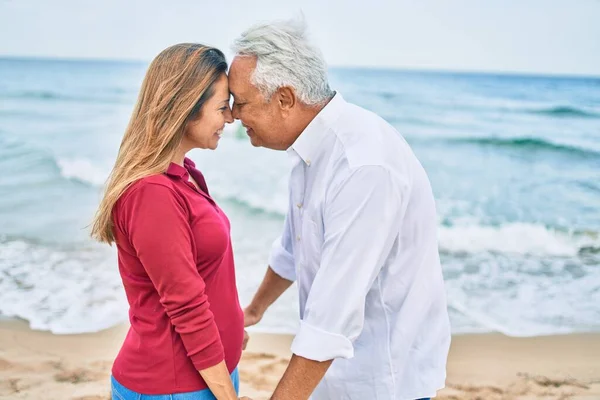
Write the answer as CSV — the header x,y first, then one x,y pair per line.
x,y
219,381
246,338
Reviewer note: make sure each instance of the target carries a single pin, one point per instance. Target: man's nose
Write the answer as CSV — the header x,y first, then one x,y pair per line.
x,y
228,116
234,111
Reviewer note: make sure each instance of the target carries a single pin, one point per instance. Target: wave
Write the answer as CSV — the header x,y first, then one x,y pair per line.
x,y
60,289
88,173
114,96
565,112
83,170
516,238
523,294
76,288
505,320
510,238
526,143
27,155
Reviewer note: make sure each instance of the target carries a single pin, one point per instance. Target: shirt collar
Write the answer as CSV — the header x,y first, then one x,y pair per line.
x,y
178,171
307,144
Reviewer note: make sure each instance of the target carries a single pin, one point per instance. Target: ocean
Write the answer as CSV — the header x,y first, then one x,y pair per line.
x,y
514,162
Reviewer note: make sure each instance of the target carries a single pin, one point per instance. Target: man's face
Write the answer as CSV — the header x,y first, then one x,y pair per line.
x,y
262,119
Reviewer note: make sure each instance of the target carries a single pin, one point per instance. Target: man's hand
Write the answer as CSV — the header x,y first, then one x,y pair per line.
x,y
251,316
270,289
246,338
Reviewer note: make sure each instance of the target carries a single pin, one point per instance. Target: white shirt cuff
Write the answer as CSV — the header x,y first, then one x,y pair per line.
x,y
282,262
318,345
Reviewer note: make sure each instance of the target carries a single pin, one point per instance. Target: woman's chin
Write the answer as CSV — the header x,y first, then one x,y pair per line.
x,y
213,144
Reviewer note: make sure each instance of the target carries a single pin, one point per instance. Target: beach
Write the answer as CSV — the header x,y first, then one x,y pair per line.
x,y
39,365
505,122
519,233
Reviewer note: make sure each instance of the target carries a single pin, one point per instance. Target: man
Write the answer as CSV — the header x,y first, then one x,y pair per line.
x,y
359,236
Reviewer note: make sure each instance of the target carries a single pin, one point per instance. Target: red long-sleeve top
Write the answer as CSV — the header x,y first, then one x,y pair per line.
x,y
176,263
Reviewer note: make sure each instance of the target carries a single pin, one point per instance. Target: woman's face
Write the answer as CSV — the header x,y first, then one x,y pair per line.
x,y
205,131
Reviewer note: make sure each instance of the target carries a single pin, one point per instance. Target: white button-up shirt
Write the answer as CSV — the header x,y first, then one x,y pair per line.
x,y
360,240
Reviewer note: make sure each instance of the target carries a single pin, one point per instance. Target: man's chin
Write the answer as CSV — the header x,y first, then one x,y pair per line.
x,y
255,142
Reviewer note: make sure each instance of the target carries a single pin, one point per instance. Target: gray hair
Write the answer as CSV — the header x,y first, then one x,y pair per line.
x,y
285,57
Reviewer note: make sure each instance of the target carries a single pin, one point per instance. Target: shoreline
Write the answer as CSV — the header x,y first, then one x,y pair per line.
x,y
41,365
23,324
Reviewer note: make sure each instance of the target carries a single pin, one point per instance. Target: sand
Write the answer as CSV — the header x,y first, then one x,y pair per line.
x,y
40,365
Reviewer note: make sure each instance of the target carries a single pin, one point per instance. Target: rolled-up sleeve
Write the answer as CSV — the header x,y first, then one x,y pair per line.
x,y
281,259
157,225
361,223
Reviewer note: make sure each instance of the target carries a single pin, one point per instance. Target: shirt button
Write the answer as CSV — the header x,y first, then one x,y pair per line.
x,y
308,162
299,205
298,238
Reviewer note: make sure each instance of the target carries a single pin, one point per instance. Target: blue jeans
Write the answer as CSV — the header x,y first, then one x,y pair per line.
x,y
120,392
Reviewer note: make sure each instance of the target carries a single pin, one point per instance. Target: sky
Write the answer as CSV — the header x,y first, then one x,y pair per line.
x,y
514,36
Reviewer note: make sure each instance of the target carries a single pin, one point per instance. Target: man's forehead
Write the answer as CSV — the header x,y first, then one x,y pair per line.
x,y
240,75
242,66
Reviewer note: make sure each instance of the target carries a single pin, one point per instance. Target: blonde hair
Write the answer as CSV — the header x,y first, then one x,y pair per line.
x,y
178,82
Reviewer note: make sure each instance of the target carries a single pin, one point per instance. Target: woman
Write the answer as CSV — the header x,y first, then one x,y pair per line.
x,y
173,241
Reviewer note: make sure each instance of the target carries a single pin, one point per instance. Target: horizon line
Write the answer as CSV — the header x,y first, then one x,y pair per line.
x,y
421,69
